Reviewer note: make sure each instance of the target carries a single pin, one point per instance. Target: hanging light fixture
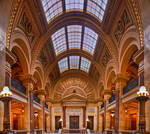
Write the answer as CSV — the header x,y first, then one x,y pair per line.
x,y
36,114
60,120
112,114
5,92
87,120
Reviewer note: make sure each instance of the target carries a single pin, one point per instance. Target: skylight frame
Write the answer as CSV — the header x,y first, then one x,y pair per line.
x,y
85,64
74,62
63,64
89,40
74,33
97,8
59,41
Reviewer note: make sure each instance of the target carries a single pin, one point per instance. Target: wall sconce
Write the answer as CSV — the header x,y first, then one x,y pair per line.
x,y
126,110
87,120
60,120
5,92
36,114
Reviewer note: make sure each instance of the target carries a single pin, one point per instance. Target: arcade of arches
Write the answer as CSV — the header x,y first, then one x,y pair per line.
x,y
73,65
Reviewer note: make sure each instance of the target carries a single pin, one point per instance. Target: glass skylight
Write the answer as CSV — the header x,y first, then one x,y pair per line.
x,y
63,64
59,41
74,4
74,62
74,36
97,7
89,40
85,64
52,8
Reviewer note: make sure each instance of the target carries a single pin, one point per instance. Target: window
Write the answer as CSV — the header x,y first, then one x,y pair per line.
x,y
85,64
52,8
97,7
59,41
89,40
74,62
74,4
63,64
74,36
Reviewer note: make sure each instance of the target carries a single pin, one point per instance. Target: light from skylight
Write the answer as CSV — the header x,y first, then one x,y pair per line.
x,y
59,41
89,40
63,64
74,36
74,62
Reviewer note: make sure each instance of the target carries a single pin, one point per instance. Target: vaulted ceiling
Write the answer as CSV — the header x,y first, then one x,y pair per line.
x,y
73,39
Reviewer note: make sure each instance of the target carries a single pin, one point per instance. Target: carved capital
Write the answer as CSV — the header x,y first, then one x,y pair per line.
x,y
107,94
28,78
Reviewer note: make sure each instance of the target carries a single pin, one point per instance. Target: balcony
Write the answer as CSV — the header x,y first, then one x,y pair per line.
x,y
131,86
112,98
36,99
17,86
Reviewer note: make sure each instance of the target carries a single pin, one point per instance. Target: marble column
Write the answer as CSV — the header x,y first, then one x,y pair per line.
x,y
101,123
84,116
49,115
107,95
41,95
28,83
64,117
120,110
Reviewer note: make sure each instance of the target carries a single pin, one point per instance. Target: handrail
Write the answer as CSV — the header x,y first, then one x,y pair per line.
x,y
131,86
19,87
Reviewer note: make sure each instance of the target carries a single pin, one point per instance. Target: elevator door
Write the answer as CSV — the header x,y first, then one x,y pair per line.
x,y
74,122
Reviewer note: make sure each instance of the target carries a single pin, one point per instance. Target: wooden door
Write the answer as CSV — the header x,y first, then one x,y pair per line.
x,y
74,122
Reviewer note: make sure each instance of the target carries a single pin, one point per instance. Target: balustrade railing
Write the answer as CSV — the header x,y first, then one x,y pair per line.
x,y
131,86
36,99
112,98
17,86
